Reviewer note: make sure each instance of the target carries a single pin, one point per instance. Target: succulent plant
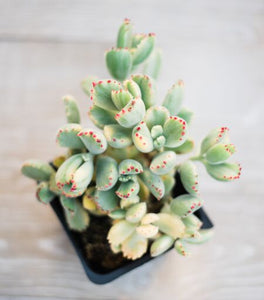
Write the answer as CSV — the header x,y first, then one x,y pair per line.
x,y
127,166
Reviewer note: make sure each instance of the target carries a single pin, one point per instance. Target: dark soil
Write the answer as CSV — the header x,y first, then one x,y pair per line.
x,y
97,248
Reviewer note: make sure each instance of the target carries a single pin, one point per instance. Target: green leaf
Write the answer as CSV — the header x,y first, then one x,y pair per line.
x,y
106,200
131,114
179,246
67,136
87,84
119,63
121,98
128,189
101,117
143,49
153,64
132,87
175,131
71,109
117,136
69,204
163,162
156,115
142,138
214,137
130,167
102,91
189,177
204,236
154,183
93,140
224,171
185,205
174,98
160,245
125,35
147,88
79,220
106,173
44,194
186,147
186,114
219,153
37,169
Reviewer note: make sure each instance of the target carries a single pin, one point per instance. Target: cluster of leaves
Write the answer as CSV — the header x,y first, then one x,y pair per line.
x,y
126,167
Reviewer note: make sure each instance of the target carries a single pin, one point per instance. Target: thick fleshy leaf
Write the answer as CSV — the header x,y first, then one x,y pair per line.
x,y
132,87
163,162
185,205
121,98
44,194
134,246
88,201
144,191
204,236
149,218
153,64
147,230
131,114
120,231
156,115
175,131
186,114
67,136
159,142
171,225
219,153
128,189
106,200
143,49
137,38
119,154
160,245
214,137
169,183
180,247
87,84
74,175
156,131
147,88
142,138
186,147
193,224
127,202
117,136
106,173
101,93
93,140
136,212
154,183
119,62
117,214
79,220
37,169
130,167
189,177
71,109
224,171
69,204
125,35
174,98
101,117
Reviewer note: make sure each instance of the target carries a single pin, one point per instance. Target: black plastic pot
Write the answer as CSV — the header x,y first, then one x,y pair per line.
x,y
100,277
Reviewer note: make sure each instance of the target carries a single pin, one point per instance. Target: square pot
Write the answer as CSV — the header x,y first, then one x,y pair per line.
x,y
99,276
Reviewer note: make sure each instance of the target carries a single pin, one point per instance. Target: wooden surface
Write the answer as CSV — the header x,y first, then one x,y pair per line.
x,y
46,48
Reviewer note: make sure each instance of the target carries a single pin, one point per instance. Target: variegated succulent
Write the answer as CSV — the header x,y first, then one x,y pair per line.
x,y
125,169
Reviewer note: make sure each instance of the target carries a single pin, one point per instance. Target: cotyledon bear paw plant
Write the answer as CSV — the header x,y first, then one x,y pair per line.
x,y
126,170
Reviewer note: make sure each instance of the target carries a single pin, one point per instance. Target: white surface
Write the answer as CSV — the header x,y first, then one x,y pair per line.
x,y
216,47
